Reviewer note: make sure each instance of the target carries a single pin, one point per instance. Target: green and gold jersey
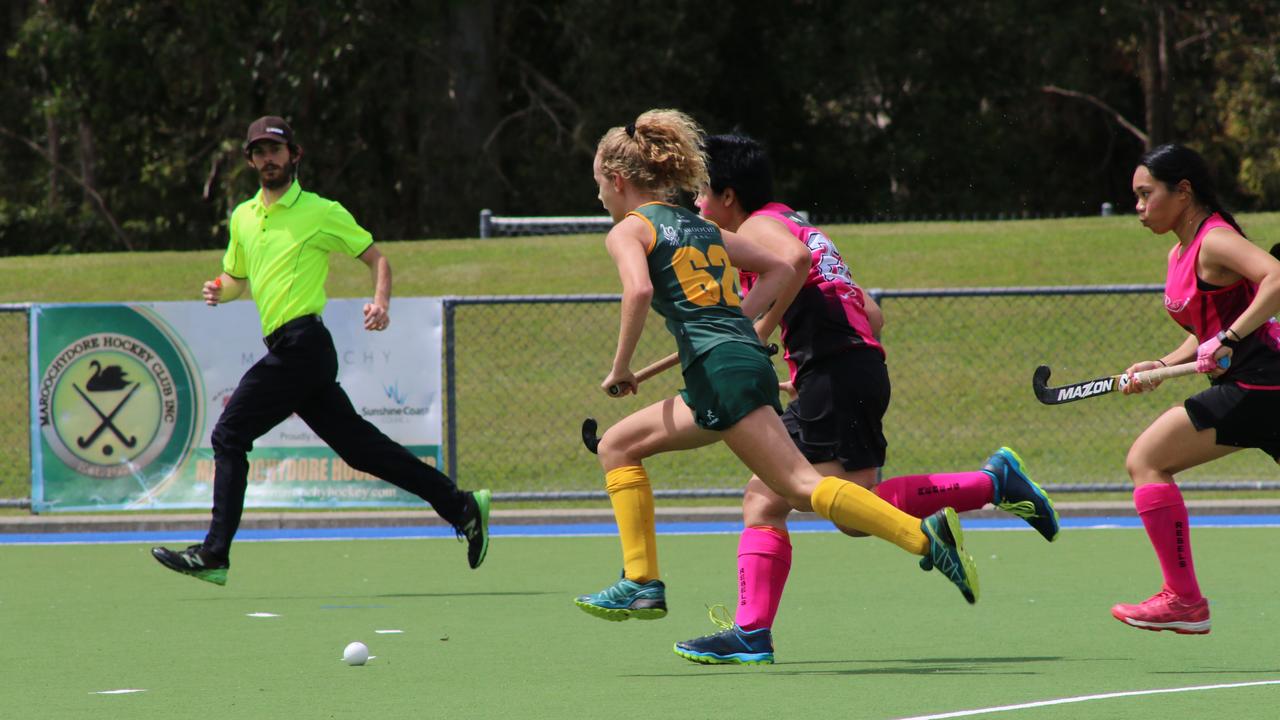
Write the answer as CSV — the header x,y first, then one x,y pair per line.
x,y
694,286
283,249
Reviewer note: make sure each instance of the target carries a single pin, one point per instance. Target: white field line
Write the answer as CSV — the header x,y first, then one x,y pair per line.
x,y
1086,698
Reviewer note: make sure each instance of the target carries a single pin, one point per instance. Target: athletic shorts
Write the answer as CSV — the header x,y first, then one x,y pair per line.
x,y
839,413
728,382
1242,418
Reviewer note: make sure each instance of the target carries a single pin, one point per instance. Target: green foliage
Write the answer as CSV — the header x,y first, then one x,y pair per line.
x,y
1250,102
27,230
121,120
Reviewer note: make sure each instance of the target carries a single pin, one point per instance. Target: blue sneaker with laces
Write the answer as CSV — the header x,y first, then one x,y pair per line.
x,y
731,646
627,599
1016,493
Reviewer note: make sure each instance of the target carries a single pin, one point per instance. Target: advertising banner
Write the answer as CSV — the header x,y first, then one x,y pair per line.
x,y
124,398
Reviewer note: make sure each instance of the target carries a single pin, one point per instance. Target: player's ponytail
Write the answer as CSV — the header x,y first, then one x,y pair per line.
x,y
660,152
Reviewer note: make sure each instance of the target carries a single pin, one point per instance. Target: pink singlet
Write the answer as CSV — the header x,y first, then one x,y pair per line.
x,y
828,315
1203,310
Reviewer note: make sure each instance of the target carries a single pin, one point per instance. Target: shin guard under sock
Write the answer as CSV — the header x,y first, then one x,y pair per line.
x,y
632,500
1164,515
924,495
857,508
764,561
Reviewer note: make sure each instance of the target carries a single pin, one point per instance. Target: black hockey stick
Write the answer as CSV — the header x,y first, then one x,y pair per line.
x,y
589,434
1103,385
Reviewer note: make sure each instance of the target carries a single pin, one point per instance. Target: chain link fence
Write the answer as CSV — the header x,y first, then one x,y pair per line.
x,y
523,372
15,432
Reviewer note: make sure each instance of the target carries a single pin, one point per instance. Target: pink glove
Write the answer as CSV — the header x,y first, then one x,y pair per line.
x,y
1204,355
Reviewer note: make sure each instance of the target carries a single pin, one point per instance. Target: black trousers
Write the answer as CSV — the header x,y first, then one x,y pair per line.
x,y
299,375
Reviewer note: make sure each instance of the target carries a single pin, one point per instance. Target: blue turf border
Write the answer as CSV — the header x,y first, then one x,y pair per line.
x,y
571,530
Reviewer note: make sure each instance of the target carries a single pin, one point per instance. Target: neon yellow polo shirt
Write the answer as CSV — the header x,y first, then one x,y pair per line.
x,y
283,250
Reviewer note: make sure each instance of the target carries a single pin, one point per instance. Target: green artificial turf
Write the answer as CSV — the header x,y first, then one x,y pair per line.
x,y
862,632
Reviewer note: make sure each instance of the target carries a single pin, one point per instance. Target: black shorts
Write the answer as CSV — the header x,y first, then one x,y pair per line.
x,y
1242,418
840,411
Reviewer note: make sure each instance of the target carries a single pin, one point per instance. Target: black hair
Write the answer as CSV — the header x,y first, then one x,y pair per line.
x,y
739,162
1172,163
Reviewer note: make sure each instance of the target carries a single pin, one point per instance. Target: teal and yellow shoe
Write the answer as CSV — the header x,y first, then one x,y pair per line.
x,y
1015,492
947,554
194,561
627,599
731,646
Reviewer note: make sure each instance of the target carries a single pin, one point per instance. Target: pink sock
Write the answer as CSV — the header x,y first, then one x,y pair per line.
x,y
764,560
1164,515
923,495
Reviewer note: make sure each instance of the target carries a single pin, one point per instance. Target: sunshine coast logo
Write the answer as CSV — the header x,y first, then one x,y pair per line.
x,y
112,403
394,393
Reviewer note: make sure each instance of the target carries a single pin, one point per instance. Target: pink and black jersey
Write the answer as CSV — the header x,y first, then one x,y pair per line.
x,y
1203,310
829,315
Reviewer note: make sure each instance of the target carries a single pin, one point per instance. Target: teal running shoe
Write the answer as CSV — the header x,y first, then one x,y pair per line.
x,y
731,646
1016,493
475,527
627,599
947,554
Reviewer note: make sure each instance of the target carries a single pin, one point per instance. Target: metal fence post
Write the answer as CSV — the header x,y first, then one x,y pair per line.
x,y
450,392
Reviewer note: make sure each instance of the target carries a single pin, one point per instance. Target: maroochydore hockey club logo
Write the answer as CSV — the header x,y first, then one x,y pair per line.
x,y
112,403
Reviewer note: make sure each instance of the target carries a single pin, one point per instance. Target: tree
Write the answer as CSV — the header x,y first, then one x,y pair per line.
x,y
121,120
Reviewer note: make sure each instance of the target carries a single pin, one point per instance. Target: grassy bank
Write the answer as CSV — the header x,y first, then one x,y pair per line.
x,y
527,375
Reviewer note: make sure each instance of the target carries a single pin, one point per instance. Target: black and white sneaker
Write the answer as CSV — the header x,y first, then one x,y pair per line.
x,y
475,527
194,561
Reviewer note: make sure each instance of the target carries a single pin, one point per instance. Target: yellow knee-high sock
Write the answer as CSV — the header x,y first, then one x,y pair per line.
x,y
853,506
632,500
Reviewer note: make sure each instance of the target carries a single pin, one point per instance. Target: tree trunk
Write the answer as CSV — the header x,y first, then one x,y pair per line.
x,y
1156,81
88,158
52,140
473,97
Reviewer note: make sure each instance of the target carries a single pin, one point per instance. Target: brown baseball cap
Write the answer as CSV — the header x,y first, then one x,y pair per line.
x,y
269,127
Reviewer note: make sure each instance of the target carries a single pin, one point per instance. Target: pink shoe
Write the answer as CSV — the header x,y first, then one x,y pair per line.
x,y
1166,611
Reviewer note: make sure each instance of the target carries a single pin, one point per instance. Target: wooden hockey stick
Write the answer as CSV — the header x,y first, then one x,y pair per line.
x,y
589,426
649,371
665,364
